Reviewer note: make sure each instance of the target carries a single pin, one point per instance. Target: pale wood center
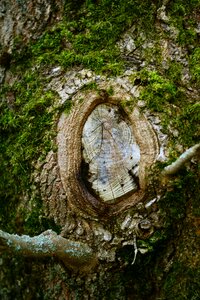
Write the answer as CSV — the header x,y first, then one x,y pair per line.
x,y
110,153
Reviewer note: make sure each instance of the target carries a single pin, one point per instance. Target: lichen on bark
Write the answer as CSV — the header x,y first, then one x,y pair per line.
x,y
156,61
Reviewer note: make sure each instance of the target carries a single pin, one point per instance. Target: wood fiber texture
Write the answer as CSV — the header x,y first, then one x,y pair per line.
x,y
135,138
110,152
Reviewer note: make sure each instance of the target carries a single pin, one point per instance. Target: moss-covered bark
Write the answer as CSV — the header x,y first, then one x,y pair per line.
x,y
162,52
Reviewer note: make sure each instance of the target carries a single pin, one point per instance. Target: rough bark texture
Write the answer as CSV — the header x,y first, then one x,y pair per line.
x,y
58,62
27,20
69,140
75,255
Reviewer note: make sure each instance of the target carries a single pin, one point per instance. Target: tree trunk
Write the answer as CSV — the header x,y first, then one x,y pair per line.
x,y
99,150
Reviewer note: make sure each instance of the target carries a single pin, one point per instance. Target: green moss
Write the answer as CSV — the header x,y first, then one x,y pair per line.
x,y
26,135
110,91
195,65
34,220
163,95
183,16
158,92
88,35
188,124
174,72
90,86
173,204
66,48
182,283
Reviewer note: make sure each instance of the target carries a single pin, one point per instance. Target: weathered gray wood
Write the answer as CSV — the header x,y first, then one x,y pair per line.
x,y
110,150
181,160
79,191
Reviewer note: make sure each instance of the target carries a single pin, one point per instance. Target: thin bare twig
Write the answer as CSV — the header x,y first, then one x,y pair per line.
x,y
181,161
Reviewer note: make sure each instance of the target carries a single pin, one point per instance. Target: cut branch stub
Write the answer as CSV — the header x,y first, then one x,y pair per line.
x,y
111,155
122,139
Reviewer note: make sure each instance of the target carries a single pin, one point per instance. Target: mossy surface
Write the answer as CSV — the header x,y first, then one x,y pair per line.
x,y
88,34
183,16
27,119
166,97
170,268
87,37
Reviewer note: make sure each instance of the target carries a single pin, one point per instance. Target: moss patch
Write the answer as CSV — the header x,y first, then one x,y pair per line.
x,y
87,37
88,34
195,65
183,17
178,112
26,122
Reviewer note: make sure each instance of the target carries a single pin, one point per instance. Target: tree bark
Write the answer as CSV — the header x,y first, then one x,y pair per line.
x,y
75,255
175,167
145,246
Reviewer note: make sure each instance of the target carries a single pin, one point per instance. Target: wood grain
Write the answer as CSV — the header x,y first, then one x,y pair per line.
x,y
111,153
80,197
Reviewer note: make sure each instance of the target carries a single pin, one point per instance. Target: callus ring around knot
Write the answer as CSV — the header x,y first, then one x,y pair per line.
x,y
104,152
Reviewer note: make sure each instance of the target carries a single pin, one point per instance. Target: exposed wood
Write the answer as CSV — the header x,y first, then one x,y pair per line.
x,y
69,140
110,150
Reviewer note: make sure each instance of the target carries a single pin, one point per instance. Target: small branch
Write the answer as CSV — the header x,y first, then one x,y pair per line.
x,y
181,161
76,255
135,249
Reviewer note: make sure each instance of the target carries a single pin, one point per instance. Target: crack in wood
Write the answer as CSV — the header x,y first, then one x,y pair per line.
x,y
110,153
